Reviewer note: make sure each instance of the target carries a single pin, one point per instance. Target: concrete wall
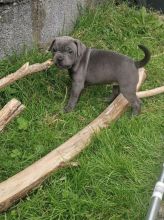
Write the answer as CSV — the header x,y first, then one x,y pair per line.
x,y
23,22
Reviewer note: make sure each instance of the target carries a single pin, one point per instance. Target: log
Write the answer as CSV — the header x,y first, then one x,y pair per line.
x,y
23,182
10,111
151,92
25,70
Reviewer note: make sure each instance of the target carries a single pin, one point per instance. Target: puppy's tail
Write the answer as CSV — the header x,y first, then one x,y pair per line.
x,y
145,60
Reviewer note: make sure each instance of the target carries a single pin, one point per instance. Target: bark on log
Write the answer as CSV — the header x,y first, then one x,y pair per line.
x,y
10,111
25,70
23,182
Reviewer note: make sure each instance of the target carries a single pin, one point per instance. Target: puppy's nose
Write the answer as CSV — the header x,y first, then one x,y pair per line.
x,y
60,58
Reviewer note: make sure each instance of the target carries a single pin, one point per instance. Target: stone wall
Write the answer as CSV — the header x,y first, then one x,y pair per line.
x,y
24,22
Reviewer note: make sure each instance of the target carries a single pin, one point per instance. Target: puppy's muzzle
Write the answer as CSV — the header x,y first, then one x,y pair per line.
x,y
58,59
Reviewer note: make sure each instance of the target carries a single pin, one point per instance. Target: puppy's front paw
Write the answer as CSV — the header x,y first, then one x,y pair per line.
x,y
67,109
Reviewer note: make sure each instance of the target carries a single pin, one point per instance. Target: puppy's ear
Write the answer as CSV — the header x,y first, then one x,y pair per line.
x,y
80,47
50,48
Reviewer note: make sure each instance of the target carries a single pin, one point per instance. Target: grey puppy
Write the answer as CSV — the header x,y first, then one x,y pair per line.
x,y
88,66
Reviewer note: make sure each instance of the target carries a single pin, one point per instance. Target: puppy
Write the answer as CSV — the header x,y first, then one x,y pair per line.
x,y
88,66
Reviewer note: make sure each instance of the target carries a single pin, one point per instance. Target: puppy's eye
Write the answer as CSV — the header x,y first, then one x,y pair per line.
x,y
70,51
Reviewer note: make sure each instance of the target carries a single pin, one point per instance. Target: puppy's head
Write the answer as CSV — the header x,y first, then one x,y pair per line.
x,y
66,51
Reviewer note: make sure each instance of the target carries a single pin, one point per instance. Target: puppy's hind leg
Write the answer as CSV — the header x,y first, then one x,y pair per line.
x,y
115,93
133,100
136,106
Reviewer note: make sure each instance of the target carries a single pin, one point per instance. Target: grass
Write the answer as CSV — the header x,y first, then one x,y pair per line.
x,y
119,169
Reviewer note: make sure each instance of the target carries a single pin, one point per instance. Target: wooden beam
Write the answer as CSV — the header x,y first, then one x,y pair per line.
x,y
10,111
23,182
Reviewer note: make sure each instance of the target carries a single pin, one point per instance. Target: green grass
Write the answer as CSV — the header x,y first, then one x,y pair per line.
x,y
119,169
